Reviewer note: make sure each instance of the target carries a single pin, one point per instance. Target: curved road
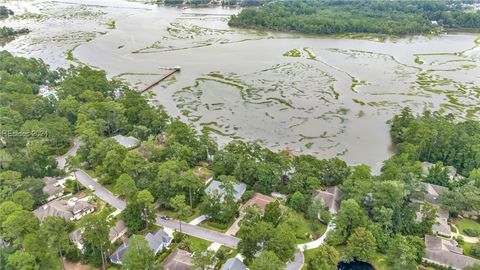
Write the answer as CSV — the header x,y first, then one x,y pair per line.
x,y
209,235
62,160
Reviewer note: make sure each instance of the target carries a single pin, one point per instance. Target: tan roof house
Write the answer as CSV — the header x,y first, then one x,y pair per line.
x,y
259,200
178,260
72,209
446,252
330,198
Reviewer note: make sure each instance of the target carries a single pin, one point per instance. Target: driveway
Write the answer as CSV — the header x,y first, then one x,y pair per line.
x,y
319,241
297,262
103,193
62,160
213,236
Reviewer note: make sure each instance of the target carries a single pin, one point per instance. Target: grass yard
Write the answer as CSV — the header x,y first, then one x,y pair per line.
x,y
197,244
467,249
466,223
304,229
174,215
216,226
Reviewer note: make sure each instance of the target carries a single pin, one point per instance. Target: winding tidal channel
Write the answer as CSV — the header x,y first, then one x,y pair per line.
x,y
326,96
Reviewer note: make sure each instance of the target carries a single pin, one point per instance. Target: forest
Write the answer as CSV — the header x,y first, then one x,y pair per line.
x,y
378,17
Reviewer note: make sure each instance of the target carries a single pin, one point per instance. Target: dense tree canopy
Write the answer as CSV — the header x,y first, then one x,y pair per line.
x,y
337,17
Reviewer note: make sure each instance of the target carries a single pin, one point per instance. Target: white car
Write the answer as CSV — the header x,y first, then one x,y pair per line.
x,y
91,188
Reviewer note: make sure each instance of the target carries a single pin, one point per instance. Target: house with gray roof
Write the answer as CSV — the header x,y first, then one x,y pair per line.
x,y
432,192
52,188
76,238
72,209
216,186
178,260
127,142
234,264
330,198
441,226
451,171
446,252
119,254
157,242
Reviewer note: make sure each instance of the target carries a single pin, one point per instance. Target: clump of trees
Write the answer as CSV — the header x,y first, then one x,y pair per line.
x,y
338,17
268,232
8,32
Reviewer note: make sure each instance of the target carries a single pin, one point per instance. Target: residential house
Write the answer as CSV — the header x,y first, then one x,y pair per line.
x,y
157,242
234,264
259,200
178,260
330,198
76,238
127,142
119,254
432,193
441,226
45,91
53,188
446,252
451,171
216,186
72,209
117,231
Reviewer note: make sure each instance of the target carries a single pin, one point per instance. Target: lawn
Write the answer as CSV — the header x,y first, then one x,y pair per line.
x,y
216,226
197,244
305,228
174,215
467,249
466,223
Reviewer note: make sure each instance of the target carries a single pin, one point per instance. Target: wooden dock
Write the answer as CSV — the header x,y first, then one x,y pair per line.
x,y
172,71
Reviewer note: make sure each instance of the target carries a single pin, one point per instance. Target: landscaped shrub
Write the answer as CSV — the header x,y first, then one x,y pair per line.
x,y
471,232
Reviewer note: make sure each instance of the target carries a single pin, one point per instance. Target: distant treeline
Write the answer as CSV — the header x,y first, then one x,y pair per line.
x,y
242,3
382,17
10,32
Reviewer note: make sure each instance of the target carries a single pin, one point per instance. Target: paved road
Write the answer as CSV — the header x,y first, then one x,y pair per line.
x,y
62,160
100,190
213,236
297,263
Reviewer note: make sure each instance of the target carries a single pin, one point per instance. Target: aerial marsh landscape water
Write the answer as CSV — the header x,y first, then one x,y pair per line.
x,y
324,95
